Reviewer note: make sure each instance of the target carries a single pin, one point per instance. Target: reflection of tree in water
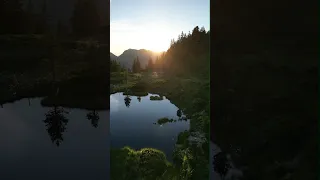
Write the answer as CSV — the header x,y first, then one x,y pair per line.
x,y
56,124
221,164
181,116
127,100
139,98
94,118
179,113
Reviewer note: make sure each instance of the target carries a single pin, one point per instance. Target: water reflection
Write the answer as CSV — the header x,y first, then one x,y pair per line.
x,y
133,119
29,136
94,118
127,100
179,113
56,123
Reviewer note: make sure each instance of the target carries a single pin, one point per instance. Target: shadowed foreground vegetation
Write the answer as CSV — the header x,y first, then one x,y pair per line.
x,y
62,58
264,86
71,71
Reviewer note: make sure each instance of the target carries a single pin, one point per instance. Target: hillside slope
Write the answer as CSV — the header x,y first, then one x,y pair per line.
x,y
127,57
112,56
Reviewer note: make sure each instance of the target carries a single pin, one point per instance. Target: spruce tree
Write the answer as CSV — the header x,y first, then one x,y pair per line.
x,y
138,65
150,66
134,69
85,20
30,17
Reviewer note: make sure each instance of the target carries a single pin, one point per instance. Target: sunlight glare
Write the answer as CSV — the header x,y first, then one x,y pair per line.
x,y
154,37
151,36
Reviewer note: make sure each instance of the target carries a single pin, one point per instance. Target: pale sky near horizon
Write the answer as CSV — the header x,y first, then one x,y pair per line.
x,y
151,24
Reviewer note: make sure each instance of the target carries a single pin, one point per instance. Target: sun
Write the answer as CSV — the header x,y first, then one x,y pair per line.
x,y
154,38
159,44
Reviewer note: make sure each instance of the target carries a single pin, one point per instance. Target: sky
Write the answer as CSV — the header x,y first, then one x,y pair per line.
x,y
151,24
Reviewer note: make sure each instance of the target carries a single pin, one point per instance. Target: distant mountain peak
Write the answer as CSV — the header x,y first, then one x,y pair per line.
x,y
127,57
112,56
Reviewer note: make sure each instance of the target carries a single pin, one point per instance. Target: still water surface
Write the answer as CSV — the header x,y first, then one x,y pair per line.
x,y
133,122
47,143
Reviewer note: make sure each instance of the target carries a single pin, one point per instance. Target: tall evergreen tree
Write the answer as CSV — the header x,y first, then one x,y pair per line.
x,y
134,66
150,66
189,54
138,65
30,17
85,20
42,24
12,17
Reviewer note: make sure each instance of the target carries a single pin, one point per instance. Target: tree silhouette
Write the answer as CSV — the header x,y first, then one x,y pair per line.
x,y
42,26
127,100
30,16
56,123
150,65
179,113
12,17
187,55
221,164
136,66
85,20
94,118
115,66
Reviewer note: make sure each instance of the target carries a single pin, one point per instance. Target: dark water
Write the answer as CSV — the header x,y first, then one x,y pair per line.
x,y
132,123
43,143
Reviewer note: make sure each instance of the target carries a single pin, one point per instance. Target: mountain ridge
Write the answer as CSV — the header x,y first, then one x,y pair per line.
x,y
127,57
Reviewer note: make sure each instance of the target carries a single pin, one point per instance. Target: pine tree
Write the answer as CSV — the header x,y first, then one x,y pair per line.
x,y
138,65
85,20
42,26
30,17
12,17
134,66
150,64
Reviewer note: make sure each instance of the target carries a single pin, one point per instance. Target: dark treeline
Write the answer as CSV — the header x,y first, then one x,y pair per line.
x,y
136,66
187,55
41,50
20,17
12,17
115,66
